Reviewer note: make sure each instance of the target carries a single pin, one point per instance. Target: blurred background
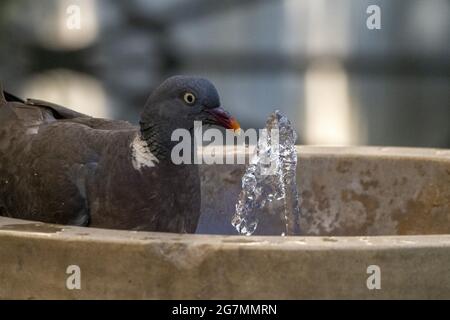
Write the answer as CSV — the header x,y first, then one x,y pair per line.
x,y
339,82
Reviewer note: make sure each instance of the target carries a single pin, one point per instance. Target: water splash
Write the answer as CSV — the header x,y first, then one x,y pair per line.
x,y
269,184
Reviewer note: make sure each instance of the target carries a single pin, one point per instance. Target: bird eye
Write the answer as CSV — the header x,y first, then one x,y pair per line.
x,y
189,98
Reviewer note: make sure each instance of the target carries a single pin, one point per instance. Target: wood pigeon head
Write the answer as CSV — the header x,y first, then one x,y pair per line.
x,y
180,101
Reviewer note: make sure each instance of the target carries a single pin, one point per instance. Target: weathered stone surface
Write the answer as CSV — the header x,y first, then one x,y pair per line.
x,y
345,191
349,192
131,265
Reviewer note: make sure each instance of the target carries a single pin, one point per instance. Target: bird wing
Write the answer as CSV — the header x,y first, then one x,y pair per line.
x,y
34,113
59,112
47,180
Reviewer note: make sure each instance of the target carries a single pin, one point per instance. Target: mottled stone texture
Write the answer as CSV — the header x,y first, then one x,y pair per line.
x,y
356,191
349,192
140,265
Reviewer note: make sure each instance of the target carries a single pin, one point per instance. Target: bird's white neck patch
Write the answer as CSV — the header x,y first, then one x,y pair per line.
x,y
141,155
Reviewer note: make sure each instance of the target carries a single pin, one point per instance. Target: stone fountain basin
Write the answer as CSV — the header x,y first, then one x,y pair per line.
x,y
388,207
348,191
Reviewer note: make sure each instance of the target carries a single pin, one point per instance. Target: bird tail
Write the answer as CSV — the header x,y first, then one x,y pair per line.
x,y
2,95
6,97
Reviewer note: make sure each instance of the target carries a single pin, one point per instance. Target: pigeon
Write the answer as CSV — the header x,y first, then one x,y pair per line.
x,y
63,167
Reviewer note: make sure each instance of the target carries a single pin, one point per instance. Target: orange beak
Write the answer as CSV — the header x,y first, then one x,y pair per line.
x,y
223,119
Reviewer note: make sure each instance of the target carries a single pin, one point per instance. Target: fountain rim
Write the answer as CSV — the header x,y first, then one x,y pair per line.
x,y
376,151
12,227
368,152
